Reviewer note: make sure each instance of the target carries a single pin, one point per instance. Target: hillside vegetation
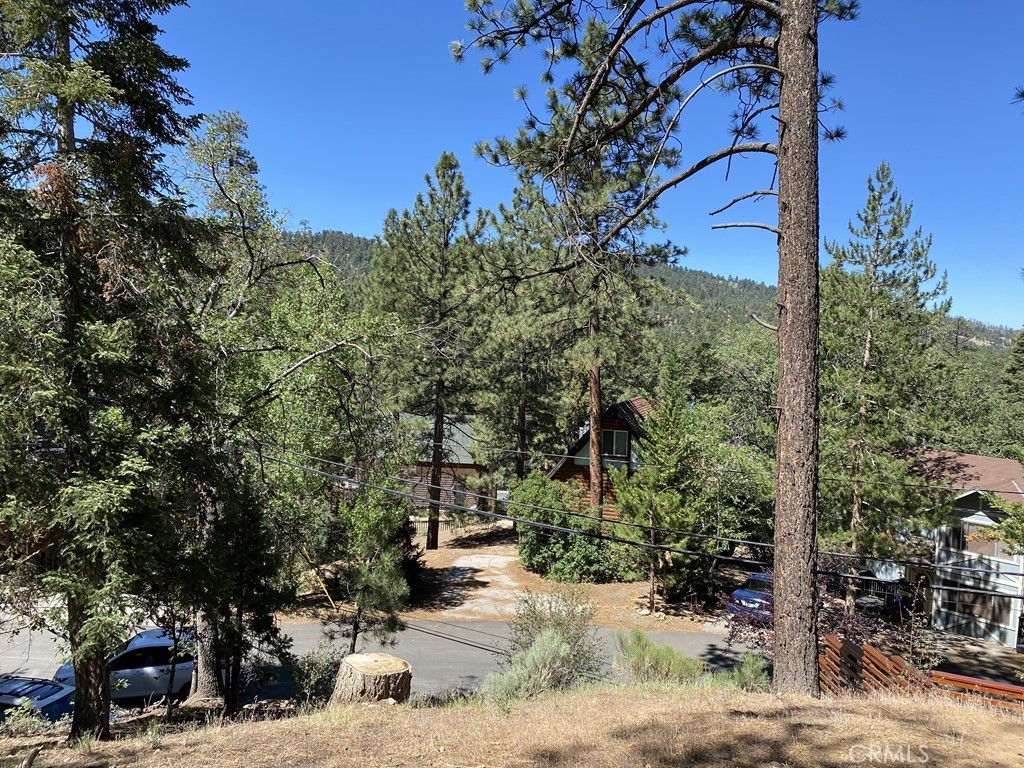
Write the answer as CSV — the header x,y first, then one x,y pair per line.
x,y
700,306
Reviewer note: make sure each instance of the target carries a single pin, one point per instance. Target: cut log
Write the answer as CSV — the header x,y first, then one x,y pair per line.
x,y
372,677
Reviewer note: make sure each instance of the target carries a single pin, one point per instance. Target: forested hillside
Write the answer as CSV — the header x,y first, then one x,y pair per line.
x,y
699,306
350,254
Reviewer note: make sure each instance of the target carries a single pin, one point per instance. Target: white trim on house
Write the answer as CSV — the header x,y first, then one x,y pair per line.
x,y
964,613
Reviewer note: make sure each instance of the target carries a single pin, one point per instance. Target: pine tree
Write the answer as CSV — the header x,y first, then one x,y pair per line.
x,y
93,225
1010,429
881,319
693,477
523,404
625,97
426,271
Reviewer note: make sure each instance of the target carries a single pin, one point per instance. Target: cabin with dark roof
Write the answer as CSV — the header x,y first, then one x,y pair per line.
x,y
621,429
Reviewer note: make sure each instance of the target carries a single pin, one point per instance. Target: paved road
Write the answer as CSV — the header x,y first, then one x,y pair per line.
x,y
444,656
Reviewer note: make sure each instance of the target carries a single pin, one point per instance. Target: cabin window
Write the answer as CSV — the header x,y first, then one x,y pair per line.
x,y
979,546
615,442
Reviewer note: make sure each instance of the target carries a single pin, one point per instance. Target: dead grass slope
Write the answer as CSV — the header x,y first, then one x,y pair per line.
x,y
602,727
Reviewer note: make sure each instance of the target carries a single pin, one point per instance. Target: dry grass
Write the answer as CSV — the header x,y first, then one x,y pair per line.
x,y
603,727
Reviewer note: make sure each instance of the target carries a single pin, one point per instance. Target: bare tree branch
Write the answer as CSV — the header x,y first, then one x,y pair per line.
x,y
686,66
700,165
741,198
762,323
750,224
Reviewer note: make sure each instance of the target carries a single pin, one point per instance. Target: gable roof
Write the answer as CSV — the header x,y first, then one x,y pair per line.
x,y
968,472
632,412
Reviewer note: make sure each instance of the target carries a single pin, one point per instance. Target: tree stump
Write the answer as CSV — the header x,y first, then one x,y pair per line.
x,y
372,677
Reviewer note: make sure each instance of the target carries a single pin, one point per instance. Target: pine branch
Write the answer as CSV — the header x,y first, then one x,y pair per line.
x,y
709,160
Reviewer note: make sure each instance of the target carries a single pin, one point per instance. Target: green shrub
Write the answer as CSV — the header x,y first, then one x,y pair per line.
x,y
647,661
23,720
315,672
544,666
567,613
750,673
566,556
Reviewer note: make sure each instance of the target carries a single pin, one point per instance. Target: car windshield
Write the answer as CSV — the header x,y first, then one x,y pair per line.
x,y
758,585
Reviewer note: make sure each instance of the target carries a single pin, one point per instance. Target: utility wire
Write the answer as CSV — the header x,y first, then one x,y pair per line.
x,y
741,472
603,537
459,640
524,521
658,529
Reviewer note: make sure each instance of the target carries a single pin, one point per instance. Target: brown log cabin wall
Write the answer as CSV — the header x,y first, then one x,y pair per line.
x,y
569,471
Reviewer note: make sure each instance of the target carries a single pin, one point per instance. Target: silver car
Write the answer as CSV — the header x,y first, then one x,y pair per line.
x,y
140,669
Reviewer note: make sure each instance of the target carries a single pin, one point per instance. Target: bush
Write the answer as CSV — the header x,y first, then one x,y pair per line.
x,y
315,672
23,720
647,661
564,556
546,665
750,674
567,613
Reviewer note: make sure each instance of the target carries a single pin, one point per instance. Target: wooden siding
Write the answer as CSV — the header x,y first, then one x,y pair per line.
x,y
570,471
452,483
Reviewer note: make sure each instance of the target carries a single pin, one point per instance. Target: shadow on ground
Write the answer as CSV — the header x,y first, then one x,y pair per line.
x,y
440,588
793,736
489,537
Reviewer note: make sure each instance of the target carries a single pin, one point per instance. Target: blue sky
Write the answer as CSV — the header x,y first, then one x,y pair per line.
x,y
349,106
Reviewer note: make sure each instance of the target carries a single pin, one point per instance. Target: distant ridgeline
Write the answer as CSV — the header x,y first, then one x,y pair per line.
x,y
351,254
703,306
699,306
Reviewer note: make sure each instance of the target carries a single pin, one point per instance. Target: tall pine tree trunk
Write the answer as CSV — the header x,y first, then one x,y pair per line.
x,y
594,390
521,420
205,678
857,507
206,683
233,666
796,637
436,457
92,679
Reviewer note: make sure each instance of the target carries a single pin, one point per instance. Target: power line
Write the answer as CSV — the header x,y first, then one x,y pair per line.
x,y
459,640
524,521
523,505
600,536
740,472
660,529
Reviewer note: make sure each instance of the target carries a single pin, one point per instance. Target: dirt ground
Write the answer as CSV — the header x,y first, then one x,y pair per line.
x,y
475,574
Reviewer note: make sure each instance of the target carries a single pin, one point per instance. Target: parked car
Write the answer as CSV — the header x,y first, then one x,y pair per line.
x,y
754,599
49,698
140,670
